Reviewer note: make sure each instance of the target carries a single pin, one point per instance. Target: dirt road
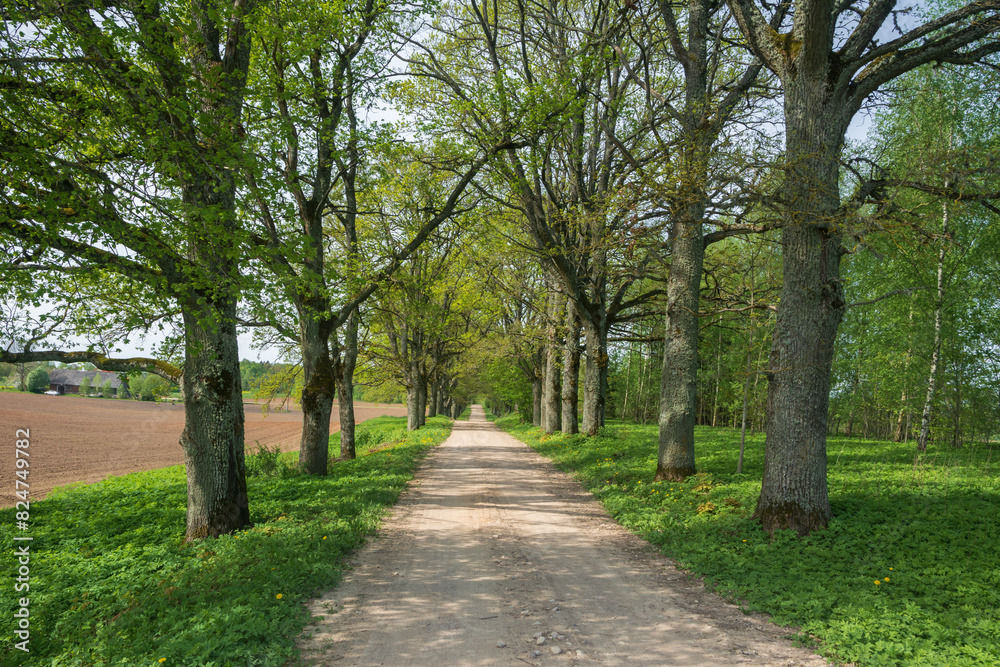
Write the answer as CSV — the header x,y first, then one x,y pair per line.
x,y
495,558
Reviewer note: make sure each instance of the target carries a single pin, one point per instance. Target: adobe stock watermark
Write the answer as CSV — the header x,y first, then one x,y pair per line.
x,y
22,541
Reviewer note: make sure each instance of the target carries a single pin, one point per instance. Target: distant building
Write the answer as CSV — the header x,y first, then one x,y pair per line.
x,y
68,381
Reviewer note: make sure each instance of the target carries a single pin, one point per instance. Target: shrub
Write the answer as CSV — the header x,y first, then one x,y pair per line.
x,y
85,386
38,381
265,462
149,387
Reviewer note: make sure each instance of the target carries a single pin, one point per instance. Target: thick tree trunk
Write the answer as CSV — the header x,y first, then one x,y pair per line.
x,y
550,387
794,491
213,436
422,397
432,399
439,397
536,402
679,383
679,378
412,421
536,399
571,371
595,375
318,386
413,395
345,387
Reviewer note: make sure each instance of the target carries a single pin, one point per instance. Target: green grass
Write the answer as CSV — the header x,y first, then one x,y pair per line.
x,y
930,524
466,413
112,582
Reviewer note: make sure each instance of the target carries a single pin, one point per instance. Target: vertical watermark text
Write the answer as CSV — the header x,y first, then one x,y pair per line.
x,y
22,539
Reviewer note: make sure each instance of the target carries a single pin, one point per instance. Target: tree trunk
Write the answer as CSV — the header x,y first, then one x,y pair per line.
x,y
956,412
318,386
898,435
413,393
213,436
925,419
536,390
571,371
432,399
794,491
679,381
628,380
345,387
550,387
718,380
595,375
421,395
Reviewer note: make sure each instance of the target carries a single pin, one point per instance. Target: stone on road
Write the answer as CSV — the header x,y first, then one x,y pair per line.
x,y
493,553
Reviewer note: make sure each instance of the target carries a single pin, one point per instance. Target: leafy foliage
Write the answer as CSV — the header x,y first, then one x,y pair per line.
x,y
149,387
906,574
38,380
112,581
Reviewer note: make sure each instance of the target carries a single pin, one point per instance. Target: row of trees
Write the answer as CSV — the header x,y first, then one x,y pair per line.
x,y
201,167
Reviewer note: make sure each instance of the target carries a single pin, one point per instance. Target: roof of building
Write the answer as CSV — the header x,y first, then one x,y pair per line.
x,y
69,376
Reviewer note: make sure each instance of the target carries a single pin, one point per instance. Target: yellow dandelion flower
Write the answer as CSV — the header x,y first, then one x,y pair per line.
x,y
278,596
878,583
887,578
890,568
163,659
324,537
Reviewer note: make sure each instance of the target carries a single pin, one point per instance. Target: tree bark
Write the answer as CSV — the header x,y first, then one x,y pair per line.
x,y
536,399
345,387
550,387
213,436
679,382
595,375
571,371
413,385
794,491
318,386
421,394
925,418
432,399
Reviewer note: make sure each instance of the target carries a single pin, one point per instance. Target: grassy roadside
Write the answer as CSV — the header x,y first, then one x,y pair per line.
x,y
908,572
113,584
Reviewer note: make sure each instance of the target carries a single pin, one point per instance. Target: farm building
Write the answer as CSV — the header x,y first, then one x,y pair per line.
x,y
68,381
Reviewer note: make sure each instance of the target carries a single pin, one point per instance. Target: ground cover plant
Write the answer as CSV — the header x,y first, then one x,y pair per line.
x,y
112,582
908,572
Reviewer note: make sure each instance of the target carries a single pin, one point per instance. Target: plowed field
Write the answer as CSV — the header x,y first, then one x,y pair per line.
x,y
76,439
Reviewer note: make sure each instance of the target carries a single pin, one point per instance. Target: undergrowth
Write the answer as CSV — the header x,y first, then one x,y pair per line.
x,y
908,572
112,582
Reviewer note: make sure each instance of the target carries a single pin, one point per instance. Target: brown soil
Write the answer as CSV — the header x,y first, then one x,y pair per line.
x,y
492,547
76,439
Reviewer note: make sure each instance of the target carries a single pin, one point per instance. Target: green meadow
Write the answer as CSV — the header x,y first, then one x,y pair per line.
x,y
908,572
112,582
